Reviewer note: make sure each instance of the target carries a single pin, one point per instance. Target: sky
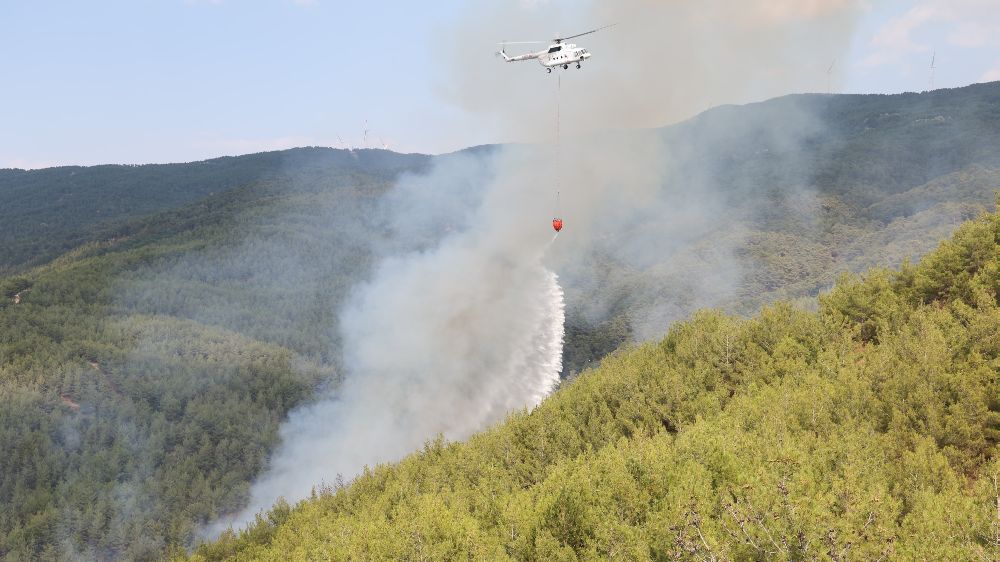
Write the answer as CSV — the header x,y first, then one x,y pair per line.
x,y
143,81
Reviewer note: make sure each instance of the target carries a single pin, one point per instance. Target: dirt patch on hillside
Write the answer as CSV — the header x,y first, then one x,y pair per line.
x,y
69,402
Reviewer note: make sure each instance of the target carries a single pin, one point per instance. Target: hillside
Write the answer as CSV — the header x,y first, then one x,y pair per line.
x,y
160,325
868,429
141,388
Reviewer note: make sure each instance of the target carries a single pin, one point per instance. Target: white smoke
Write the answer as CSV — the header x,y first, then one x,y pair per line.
x,y
442,341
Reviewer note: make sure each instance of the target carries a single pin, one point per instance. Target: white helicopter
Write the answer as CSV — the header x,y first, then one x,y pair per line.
x,y
558,54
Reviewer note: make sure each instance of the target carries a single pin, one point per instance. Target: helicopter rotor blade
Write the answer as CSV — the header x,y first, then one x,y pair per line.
x,y
521,42
561,39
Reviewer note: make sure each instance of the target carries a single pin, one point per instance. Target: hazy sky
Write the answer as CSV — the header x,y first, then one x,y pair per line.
x,y
135,81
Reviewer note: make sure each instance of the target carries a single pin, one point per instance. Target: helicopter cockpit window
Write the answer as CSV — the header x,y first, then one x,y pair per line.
x,y
555,49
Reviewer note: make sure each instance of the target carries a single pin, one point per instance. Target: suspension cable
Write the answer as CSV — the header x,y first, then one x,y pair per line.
x,y
558,139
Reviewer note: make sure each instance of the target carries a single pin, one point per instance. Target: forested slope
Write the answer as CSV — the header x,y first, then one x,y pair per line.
x,y
865,430
144,373
143,378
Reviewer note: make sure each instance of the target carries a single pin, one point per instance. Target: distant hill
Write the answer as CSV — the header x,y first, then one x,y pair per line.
x,y
44,213
157,323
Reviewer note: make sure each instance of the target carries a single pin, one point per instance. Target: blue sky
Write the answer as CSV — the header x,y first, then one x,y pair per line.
x,y
897,39
114,81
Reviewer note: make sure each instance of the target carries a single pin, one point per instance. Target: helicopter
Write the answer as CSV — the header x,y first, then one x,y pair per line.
x,y
558,54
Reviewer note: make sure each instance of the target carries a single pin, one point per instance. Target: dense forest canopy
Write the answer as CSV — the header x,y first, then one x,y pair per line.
x,y
157,323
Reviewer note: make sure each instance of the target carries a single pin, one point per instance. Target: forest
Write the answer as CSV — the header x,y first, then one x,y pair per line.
x,y
158,323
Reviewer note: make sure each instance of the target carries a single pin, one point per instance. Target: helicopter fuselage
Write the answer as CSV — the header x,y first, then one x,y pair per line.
x,y
562,54
559,54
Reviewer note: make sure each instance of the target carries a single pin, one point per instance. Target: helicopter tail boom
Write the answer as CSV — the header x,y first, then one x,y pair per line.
x,y
508,58
527,56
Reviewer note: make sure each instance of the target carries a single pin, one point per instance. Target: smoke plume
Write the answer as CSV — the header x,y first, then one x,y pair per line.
x,y
460,324
462,320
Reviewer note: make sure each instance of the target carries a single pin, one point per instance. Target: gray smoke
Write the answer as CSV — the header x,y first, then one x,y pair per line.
x,y
664,61
462,320
460,324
